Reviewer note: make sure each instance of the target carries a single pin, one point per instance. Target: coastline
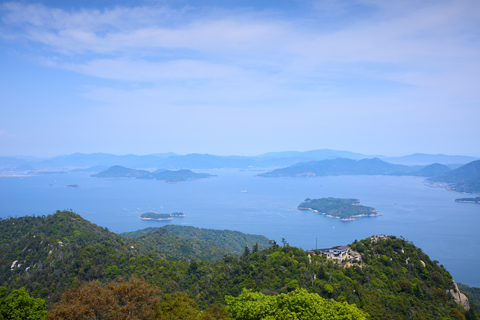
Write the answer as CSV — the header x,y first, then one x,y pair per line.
x,y
447,186
159,219
351,218
466,201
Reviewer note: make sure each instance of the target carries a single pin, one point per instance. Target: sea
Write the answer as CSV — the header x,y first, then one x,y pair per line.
x,y
240,200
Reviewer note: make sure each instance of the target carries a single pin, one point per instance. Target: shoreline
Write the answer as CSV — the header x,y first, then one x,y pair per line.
x,y
159,219
446,186
351,218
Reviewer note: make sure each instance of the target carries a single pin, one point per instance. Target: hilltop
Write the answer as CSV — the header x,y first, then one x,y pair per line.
x,y
393,279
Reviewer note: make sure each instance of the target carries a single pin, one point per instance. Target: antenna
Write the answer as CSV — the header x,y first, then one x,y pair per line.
x,y
316,244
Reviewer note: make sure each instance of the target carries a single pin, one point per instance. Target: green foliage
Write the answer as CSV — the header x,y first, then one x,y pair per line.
x,y
164,243
339,208
157,216
18,305
377,285
298,304
231,240
228,239
472,293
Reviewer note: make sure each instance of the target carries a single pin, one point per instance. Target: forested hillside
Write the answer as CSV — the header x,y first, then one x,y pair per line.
x,y
394,280
228,239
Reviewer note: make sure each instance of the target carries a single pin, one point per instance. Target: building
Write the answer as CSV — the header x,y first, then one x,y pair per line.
x,y
334,252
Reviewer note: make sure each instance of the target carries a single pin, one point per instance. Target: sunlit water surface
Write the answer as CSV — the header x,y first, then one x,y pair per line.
x,y
429,217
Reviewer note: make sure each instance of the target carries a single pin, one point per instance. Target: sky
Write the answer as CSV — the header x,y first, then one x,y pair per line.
x,y
239,77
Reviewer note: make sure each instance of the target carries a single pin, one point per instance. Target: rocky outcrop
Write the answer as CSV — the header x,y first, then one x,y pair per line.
x,y
460,298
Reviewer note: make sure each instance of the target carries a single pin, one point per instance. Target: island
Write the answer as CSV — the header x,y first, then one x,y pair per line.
x,y
73,186
168,176
342,209
469,200
178,214
156,216
161,216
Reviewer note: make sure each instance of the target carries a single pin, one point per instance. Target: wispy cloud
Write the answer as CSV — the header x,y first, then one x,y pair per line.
x,y
150,43
352,62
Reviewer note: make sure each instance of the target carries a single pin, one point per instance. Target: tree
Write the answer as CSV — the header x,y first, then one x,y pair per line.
x,y
18,305
179,306
133,299
298,304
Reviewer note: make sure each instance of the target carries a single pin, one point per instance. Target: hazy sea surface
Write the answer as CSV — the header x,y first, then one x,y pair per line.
x,y
429,217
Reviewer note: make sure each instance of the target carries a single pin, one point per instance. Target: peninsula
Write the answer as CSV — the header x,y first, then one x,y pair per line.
x,y
342,209
469,200
465,179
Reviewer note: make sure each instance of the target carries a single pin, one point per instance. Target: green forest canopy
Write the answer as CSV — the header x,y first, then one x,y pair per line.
x,y
63,250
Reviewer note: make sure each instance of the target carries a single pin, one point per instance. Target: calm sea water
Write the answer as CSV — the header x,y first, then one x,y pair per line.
x,y
445,230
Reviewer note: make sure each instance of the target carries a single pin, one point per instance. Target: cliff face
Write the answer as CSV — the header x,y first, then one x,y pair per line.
x,y
460,298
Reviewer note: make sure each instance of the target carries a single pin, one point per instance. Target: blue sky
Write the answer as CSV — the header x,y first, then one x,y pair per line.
x,y
239,77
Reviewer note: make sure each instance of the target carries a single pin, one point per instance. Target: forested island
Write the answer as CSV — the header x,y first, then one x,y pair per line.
x,y
342,209
469,200
156,216
168,176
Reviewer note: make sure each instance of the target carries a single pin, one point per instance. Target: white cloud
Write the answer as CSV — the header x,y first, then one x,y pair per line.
x,y
141,70
426,44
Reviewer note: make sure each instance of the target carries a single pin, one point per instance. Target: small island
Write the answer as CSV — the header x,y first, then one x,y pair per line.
x,y
72,186
156,216
469,200
178,214
168,176
342,209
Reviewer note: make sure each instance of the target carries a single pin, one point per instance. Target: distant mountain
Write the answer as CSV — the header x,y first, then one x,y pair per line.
x,y
121,172
9,162
464,179
91,169
340,167
432,170
171,160
320,154
167,175
93,159
425,159
46,165
207,161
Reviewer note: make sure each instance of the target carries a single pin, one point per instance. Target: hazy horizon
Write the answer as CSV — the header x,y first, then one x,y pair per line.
x,y
239,77
225,155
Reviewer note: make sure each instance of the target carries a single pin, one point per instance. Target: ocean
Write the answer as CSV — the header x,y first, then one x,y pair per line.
x,y
429,217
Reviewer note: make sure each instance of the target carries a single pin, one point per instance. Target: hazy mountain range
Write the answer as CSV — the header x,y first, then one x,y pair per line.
x,y
342,166
171,160
466,178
